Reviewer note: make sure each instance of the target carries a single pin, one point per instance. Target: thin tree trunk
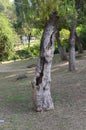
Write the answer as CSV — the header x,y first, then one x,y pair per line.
x,y
61,49
42,81
78,42
72,65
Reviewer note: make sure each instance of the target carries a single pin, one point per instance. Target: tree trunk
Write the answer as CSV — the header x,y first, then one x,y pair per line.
x,y
61,49
78,42
72,66
42,81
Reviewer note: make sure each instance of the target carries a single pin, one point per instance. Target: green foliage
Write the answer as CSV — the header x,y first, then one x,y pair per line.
x,y
5,4
81,31
6,39
22,54
56,48
36,32
27,52
35,50
22,26
83,36
46,7
64,35
37,12
8,9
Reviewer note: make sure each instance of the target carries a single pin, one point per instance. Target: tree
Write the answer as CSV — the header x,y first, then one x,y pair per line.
x,y
46,11
42,81
72,46
44,15
22,10
77,4
62,49
80,23
18,7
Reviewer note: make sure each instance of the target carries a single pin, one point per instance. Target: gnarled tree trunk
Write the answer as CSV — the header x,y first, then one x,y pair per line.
x,y
42,81
61,49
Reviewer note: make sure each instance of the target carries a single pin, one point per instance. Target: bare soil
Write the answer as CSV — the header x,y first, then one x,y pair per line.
x,y
68,92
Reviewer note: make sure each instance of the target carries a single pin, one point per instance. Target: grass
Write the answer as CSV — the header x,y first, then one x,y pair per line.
x,y
68,92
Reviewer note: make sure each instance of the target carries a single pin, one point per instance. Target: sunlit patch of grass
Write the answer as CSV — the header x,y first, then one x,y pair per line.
x,y
10,76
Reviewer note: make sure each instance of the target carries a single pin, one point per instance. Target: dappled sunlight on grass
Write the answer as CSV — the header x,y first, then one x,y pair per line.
x,y
63,64
57,67
10,76
54,69
84,56
31,72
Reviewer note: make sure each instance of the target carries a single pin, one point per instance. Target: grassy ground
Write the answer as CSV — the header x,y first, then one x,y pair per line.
x,y
68,92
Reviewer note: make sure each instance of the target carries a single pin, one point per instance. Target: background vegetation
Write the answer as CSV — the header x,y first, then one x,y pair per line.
x,y
18,19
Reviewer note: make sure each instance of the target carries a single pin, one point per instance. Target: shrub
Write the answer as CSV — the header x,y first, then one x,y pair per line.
x,y
6,39
81,30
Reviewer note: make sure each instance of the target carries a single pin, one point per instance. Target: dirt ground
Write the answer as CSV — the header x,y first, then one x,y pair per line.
x,y
68,92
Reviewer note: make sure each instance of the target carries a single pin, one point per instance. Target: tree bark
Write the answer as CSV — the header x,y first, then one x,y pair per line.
x,y
42,81
61,49
72,65
78,42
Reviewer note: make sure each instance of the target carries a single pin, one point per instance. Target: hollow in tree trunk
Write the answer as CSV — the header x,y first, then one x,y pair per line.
x,y
42,81
61,49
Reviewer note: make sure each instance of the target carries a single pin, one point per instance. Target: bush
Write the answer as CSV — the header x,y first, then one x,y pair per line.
x,y
35,50
22,54
81,30
27,52
83,37
6,39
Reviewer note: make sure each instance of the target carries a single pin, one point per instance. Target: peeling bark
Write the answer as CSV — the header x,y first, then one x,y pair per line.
x,y
61,49
42,81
